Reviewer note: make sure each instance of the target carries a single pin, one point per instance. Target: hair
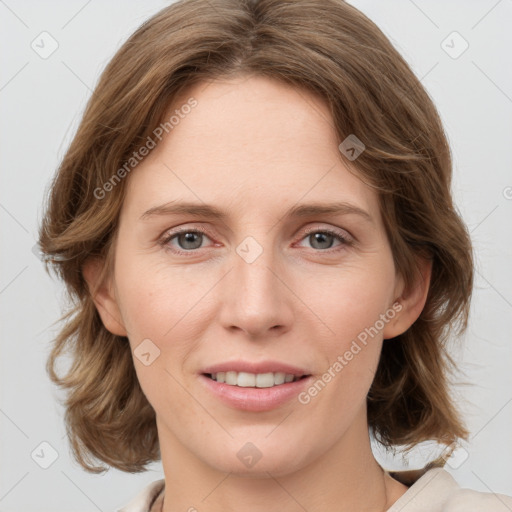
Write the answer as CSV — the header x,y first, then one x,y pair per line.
x,y
328,48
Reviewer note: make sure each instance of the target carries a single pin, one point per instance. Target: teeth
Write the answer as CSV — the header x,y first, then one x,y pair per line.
x,y
279,378
251,380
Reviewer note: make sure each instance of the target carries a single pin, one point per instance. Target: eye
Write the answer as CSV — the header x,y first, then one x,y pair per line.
x,y
186,240
323,239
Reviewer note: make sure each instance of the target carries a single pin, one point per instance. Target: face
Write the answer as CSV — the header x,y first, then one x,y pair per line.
x,y
265,285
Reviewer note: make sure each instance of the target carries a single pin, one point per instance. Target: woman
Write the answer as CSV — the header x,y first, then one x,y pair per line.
x,y
255,220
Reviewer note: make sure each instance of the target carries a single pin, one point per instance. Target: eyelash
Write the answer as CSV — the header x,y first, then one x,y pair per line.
x,y
343,239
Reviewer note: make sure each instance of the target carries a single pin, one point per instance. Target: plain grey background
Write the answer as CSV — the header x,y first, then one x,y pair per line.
x,y
41,100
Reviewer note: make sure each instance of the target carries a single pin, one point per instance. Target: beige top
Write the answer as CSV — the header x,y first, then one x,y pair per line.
x,y
434,491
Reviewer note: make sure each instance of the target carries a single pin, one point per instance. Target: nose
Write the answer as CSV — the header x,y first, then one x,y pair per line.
x,y
256,298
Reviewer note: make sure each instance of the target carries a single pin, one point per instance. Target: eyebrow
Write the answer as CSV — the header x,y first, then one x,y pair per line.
x,y
301,210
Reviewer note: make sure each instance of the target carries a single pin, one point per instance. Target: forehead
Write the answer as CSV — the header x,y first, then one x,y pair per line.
x,y
251,141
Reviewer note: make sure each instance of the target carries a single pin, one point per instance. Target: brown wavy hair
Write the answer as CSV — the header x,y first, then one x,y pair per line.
x,y
326,47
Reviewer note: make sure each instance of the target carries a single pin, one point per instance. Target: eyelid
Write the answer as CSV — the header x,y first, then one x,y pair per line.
x,y
345,238
169,234
342,233
342,236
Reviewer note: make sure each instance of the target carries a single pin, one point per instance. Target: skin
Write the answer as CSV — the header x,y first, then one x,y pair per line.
x,y
254,148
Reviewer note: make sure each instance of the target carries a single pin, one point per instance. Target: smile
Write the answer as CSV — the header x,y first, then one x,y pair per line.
x,y
254,380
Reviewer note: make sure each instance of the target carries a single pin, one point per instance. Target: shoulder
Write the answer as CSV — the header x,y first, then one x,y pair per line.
x,y
437,491
144,499
467,499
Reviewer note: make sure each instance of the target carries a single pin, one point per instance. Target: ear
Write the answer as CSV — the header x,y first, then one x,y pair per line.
x,y
410,303
102,293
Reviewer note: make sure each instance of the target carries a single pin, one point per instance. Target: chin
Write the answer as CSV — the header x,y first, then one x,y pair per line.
x,y
259,459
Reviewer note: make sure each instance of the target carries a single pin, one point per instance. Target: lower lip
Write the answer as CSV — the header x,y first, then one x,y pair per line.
x,y
255,399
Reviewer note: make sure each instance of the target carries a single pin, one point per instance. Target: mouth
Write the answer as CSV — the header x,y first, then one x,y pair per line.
x,y
254,386
255,380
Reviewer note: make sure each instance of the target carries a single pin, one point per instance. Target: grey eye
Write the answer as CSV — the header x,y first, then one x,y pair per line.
x,y
321,240
189,240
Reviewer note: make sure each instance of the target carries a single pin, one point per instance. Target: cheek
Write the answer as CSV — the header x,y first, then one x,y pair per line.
x,y
154,297
157,307
349,300
351,309
166,305
350,303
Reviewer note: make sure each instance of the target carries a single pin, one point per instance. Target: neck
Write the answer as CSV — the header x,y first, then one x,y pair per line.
x,y
343,479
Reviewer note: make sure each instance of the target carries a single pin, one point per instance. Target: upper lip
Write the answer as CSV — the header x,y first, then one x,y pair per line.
x,y
253,367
